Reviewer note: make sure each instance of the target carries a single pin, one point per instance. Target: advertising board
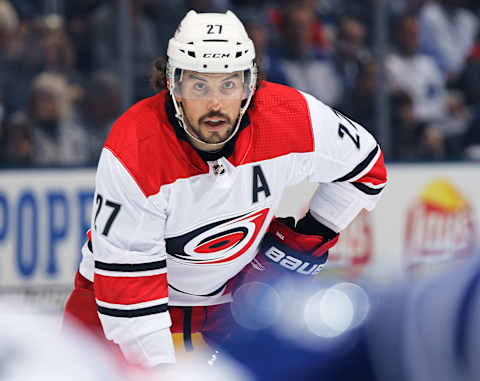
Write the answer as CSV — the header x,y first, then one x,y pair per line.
x,y
428,213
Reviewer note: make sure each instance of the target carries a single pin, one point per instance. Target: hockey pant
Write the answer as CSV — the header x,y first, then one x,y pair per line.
x,y
192,327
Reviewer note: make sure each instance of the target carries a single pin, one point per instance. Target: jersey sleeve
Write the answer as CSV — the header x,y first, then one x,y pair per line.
x,y
130,278
348,165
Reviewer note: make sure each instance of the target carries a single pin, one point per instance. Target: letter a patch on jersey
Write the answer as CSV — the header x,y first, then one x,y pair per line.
x,y
218,242
259,183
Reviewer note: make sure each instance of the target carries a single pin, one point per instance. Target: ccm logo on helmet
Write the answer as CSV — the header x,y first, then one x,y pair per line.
x,y
216,55
291,263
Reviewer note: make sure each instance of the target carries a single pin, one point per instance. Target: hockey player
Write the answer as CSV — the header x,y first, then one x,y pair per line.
x,y
188,183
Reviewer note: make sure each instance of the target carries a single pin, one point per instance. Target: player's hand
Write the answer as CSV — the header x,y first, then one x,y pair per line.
x,y
287,246
299,250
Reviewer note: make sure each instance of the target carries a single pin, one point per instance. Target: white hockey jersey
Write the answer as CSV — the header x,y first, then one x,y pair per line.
x,y
160,209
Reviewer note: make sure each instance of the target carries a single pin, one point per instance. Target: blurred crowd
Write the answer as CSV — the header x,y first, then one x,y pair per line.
x,y
60,62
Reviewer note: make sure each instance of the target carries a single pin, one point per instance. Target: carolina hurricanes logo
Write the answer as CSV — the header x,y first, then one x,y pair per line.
x,y
218,242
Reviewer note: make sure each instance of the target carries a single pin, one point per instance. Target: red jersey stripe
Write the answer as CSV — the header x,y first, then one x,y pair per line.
x,y
377,174
130,290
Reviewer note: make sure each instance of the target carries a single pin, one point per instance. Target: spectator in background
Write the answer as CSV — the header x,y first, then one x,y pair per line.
x,y
55,52
432,145
408,134
256,29
403,7
11,50
362,11
416,73
447,34
100,107
57,138
16,143
319,35
349,51
106,44
77,24
8,28
254,21
359,104
47,48
470,83
456,124
444,115
303,65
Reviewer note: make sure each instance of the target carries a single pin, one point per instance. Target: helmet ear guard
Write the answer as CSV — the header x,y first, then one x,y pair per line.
x,y
211,43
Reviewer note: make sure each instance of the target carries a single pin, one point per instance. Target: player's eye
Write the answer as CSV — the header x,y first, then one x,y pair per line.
x,y
229,85
199,86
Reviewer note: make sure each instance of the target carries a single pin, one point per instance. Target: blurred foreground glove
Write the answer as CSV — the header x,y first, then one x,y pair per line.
x,y
300,250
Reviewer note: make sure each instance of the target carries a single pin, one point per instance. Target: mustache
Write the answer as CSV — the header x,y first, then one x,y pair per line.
x,y
215,114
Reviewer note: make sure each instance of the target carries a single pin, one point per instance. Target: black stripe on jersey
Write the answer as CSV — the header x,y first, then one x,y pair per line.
x,y
129,267
90,247
360,167
133,313
366,189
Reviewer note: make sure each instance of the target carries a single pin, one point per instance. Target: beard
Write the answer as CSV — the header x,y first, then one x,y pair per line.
x,y
211,137
214,136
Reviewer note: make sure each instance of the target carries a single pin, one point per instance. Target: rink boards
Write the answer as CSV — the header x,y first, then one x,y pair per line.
x,y
428,213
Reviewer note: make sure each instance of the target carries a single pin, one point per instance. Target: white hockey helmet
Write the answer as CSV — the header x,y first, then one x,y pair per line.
x,y
211,43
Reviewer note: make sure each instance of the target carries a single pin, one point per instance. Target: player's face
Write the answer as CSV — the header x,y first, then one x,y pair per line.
x,y
211,104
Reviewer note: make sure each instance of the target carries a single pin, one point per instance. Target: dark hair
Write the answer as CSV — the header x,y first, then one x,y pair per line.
x,y
158,76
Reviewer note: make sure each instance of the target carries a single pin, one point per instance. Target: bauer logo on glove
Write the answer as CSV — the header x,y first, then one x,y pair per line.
x,y
292,263
302,249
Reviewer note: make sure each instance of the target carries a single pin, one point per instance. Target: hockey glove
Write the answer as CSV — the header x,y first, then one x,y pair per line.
x,y
300,250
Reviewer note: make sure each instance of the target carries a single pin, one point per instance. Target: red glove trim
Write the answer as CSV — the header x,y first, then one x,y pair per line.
x,y
315,245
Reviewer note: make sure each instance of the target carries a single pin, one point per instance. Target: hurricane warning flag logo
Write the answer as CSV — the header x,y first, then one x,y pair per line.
x,y
218,242
440,225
